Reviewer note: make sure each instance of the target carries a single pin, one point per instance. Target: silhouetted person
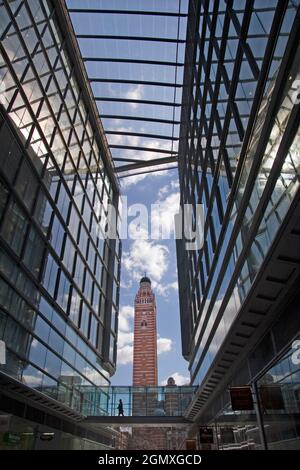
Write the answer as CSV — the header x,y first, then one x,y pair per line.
x,y
120,408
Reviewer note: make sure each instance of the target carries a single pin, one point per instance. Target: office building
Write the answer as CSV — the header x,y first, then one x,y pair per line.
x,y
239,158
59,275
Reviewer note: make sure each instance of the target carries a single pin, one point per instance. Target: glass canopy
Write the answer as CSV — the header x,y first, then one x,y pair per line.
x,y
133,52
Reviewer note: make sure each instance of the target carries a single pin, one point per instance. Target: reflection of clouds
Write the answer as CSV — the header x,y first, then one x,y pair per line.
x,y
32,380
34,343
134,93
94,376
225,323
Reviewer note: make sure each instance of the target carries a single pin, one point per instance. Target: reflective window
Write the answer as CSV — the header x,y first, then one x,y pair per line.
x,y
3,197
57,235
34,251
43,211
74,306
53,364
56,342
84,319
42,329
14,227
10,155
26,185
63,291
38,353
50,275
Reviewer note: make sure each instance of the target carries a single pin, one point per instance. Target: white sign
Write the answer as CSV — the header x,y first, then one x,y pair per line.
x,y
2,353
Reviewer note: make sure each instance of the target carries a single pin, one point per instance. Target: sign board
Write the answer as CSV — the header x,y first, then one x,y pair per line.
x,y
271,397
190,444
2,352
241,398
206,435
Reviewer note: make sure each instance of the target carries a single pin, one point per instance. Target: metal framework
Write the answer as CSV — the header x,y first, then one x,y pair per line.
x,y
211,171
136,78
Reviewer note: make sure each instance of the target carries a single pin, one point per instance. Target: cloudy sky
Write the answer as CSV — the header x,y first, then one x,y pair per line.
x,y
157,258
120,98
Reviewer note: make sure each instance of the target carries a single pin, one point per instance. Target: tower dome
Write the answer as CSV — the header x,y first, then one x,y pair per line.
x,y
145,279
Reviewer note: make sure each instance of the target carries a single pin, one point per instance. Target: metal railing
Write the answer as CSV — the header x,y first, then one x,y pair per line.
x,y
137,401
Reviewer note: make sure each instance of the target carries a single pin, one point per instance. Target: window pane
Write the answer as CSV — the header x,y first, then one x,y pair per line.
x,y
34,252
14,227
50,274
26,185
63,292
3,197
10,154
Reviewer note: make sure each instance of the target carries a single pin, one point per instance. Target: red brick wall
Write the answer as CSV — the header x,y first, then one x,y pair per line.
x,y
145,338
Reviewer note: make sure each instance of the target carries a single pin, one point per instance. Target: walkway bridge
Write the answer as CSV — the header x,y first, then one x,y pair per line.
x,y
143,406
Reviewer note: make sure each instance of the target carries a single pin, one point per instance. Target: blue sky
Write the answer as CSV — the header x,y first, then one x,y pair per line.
x,y
158,259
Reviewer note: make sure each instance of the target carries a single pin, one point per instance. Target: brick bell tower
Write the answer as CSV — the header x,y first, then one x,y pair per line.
x,y
145,336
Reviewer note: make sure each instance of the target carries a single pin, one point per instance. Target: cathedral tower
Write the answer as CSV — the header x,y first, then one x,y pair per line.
x,y
145,336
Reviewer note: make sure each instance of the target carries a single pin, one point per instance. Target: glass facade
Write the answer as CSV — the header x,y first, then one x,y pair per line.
x,y
277,392
139,401
57,271
24,434
239,158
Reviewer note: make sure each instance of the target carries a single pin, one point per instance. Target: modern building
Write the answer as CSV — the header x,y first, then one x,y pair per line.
x,y
239,157
59,274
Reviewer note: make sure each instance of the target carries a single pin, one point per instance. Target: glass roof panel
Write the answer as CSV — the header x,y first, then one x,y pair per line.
x,y
133,51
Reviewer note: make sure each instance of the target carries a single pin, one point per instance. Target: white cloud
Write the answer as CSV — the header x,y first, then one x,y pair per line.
x,y
135,93
164,345
174,184
162,216
125,355
126,313
179,379
165,289
124,339
131,180
32,380
145,255
125,335
125,285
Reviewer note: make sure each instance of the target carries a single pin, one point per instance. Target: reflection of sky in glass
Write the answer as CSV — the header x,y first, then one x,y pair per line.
x,y
115,112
